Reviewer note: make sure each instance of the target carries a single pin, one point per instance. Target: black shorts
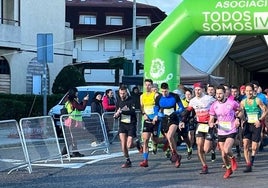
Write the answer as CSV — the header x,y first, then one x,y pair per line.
x,y
206,135
251,132
151,128
222,138
183,132
167,121
129,129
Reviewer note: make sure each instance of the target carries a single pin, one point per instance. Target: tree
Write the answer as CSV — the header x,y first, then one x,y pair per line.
x,y
67,78
117,63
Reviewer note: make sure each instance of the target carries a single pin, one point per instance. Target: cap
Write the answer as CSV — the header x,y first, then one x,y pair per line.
x,y
198,84
243,87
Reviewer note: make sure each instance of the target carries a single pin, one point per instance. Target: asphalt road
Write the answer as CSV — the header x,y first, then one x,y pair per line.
x,y
104,170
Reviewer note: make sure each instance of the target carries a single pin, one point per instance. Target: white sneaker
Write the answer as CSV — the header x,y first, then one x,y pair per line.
x,y
94,144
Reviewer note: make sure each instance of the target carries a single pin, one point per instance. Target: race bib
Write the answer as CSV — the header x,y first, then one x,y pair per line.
x,y
203,128
252,117
168,111
125,118
149,110
225,125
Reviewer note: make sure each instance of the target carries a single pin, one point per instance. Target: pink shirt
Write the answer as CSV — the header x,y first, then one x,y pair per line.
x,y
225,114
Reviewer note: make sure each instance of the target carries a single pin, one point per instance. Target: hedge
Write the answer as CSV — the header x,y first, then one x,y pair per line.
x,y
14,106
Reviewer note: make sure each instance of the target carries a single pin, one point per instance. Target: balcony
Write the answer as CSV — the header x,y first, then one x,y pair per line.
x,y
10,36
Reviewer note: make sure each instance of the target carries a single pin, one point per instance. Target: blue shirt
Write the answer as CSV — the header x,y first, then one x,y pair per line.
x,y
172,101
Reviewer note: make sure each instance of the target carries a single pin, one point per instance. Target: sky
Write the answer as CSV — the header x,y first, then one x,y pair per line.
x,y
219,45
165,5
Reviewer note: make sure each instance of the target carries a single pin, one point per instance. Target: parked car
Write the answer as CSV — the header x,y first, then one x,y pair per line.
x,y
82,91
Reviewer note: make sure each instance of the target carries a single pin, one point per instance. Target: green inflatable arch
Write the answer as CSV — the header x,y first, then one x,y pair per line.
x,y
191,19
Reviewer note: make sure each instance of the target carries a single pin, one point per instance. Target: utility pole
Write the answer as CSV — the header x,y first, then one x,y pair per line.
x,y
134,38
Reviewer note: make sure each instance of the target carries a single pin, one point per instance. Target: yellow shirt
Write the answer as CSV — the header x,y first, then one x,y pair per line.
x,y
148,102
185,103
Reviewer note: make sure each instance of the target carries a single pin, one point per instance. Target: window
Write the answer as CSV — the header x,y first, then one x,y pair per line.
x,y
112,45
90,44
114,20
88,19
10,12
143,21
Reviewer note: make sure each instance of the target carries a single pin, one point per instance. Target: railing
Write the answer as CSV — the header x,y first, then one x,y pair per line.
x,y
88,135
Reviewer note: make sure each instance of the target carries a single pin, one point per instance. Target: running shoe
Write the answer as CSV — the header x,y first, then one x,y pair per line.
x,y
204,170
144,163
233,163
127,164
189,154
228,173
213,156
139,146
154,149
178,161
248,169
174,157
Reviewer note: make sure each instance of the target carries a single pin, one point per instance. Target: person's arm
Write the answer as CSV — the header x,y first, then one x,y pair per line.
x,y
156,107
180,107
263,109
212,116
129,108
241,114
211,121
179,104
80,107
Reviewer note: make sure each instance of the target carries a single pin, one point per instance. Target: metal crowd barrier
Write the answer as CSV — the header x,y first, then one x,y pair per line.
x,y
112,125
40,140
86,137
12,152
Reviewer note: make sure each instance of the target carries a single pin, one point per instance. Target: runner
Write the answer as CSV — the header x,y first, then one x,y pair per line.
x,y
257,92
238,140
211,91
225,111
125,111
167,107
253,109
150,126
190,124
201,104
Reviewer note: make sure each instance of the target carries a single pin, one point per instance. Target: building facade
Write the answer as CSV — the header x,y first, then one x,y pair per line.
x,y
103,30
21,21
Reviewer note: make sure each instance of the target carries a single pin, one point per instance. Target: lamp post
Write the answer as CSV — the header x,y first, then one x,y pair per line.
x,y
134,38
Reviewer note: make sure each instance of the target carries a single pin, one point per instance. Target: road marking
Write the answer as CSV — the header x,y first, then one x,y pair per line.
x,y
88,160
64,165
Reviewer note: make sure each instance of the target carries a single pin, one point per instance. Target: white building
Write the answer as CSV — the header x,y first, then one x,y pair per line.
x,y
21,21
103,30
